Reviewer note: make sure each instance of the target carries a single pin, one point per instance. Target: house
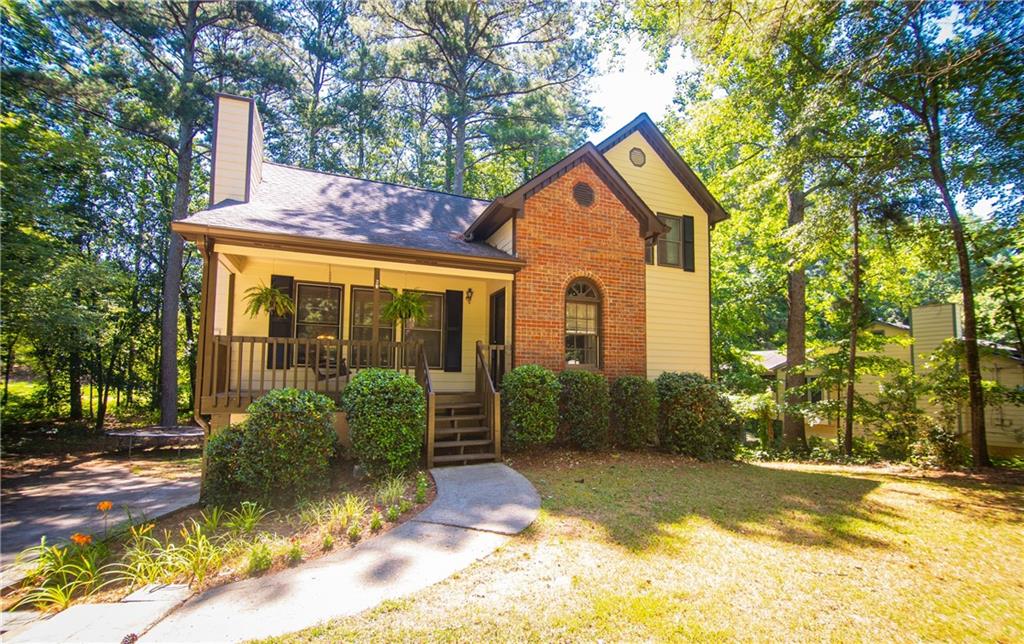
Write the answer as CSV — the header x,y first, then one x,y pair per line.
x,y
930,326
600,262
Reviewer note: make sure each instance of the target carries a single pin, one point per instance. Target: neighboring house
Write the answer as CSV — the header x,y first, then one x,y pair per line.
x,y
600,262
930,326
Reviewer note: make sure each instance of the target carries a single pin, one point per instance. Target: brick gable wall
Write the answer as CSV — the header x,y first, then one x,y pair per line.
x,y
560,241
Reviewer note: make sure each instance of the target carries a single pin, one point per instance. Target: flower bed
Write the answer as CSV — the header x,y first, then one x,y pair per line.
x,y
210,546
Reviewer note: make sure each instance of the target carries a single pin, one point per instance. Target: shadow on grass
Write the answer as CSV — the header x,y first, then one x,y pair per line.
x,y
641,500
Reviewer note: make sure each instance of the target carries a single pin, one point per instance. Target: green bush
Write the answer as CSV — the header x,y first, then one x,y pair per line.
x,y
288,442
634,412
583,408
694,418
221,485
386,419
282,452
529,401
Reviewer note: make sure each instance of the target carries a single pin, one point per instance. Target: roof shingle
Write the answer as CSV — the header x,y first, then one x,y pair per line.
x,y
305,203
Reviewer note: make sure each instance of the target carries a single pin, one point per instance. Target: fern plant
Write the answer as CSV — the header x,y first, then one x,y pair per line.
x,y
267,298
404,306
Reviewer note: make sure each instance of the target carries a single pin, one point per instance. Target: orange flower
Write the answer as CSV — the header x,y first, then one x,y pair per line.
x,y
80,539
104,506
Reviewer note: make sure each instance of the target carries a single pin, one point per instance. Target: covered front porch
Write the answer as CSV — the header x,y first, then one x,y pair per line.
x,y
338,327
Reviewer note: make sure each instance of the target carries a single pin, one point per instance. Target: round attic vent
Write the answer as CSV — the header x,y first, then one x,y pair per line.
x,y
637,156
583,194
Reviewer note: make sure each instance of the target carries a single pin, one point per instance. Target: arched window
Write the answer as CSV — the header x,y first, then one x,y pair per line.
x,y
582,325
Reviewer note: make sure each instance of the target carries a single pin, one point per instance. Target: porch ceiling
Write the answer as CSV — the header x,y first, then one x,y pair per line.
x,y
239,256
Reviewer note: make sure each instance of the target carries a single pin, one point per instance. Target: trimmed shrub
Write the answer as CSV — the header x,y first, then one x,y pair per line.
x,y
634,412
386,420
287,445
529,402
221,485
694,418
583,408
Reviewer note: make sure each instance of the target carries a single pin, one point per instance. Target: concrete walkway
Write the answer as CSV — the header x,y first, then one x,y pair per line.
x,y
61,501
476,509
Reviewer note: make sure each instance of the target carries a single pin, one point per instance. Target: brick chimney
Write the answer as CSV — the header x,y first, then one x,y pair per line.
x,y
237,161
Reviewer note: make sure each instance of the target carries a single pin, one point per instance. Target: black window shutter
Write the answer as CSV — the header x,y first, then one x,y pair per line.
x,y
453,330
281,325
688,243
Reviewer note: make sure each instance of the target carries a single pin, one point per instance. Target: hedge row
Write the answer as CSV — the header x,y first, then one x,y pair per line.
x,y
680,413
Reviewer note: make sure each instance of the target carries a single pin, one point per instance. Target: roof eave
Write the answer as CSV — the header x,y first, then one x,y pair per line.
x,y
297,243
500,210
671,157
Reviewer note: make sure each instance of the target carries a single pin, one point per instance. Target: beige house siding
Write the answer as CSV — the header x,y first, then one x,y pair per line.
x,y
1004,423
230,150
931,325
935,323
256,159
502,238
678,302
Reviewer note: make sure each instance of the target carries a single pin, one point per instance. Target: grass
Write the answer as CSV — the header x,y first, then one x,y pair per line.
x,y
647,547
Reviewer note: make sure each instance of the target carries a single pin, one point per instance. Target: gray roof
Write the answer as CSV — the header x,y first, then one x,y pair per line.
x,y
305,203
770,359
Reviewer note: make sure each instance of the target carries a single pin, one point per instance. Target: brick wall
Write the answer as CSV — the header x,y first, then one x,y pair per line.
x,y
560,241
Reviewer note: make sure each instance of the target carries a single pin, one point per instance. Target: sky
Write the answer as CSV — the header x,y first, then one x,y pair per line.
x,y
629,85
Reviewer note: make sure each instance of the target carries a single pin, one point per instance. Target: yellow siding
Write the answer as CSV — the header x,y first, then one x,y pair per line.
x,y
931,325
231,150
256,176
868,384
678,302
220,306
1004,423
502,238
259,268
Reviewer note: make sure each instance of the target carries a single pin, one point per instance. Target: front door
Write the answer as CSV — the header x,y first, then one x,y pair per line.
x,y
496,336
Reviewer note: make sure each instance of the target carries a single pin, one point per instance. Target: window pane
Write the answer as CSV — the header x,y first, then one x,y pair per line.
x,y
649,251
321,331
674,233
361,331
432,303
431,340
362,307
670,254
318,304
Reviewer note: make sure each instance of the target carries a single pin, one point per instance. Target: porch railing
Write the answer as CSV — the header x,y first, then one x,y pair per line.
x,y
487,393
239,369
423,378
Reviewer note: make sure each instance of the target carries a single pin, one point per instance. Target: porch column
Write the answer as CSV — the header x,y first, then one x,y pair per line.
x,y
207,311
375,332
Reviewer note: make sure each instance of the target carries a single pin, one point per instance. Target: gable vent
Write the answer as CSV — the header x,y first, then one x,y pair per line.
x,y
583,194
637,157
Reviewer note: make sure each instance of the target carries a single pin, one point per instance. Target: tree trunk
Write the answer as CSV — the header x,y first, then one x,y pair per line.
x,y
8,367
459,179
979,446
793,433
75,384
190,343
851,368
172,268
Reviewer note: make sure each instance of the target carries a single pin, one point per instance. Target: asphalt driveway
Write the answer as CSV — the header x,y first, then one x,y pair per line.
x,y
62,500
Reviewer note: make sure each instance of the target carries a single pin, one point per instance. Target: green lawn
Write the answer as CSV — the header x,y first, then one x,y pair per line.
x,y
646,547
